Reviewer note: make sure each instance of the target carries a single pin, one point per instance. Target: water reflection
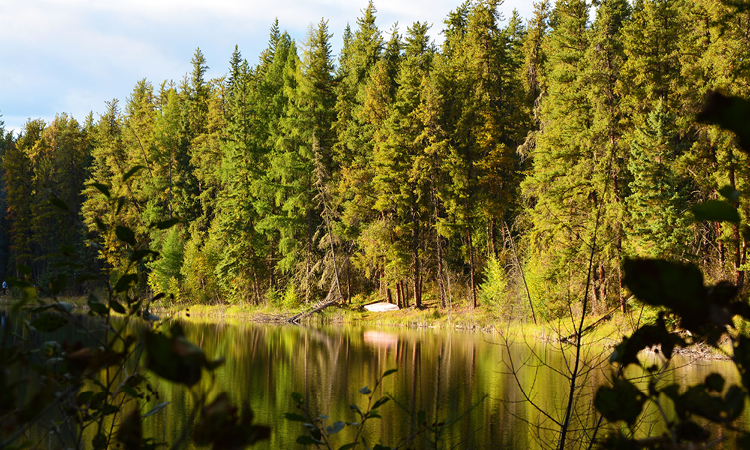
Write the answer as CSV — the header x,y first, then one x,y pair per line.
x,y
501,394
446,374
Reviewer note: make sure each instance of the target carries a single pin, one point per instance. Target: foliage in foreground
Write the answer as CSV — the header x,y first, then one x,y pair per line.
x,y
704,313
99,383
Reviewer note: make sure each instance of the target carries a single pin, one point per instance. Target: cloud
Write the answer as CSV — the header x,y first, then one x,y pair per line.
x,y
72,55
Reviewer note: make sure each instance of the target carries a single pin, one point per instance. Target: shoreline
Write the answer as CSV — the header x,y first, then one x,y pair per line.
x,y
459,318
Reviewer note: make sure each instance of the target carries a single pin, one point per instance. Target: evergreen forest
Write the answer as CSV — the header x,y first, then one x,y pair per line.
x,y
496,169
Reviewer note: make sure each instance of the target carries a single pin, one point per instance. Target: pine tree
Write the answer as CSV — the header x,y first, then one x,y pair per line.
x,y
659,225
605,58
562,200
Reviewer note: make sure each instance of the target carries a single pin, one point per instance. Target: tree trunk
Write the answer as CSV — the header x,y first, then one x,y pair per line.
x,y
417,262
471,271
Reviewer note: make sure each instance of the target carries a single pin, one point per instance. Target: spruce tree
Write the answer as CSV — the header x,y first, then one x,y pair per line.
x,y
659,225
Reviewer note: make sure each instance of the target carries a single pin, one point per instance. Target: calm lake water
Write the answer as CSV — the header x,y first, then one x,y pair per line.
x,y
461,377
451,375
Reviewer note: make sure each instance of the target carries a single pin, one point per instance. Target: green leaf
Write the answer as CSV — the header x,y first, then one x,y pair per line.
x,y
335,428
730,193
678,286
116,307
730,113
100,225
101,188
365,390
348,446
167,224
421,417
307,440
49,322
84,278
98,307
84,397
125,234
130,432
129,390
295,417
59,204
129,174
121,202
623,401
715,211
156,409
714,383
63,307
24,269
389,372
381,447
380,402
140,254
58,283
174,358
123,284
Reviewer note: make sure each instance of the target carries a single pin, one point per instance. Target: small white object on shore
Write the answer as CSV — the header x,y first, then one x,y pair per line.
x,y
381,307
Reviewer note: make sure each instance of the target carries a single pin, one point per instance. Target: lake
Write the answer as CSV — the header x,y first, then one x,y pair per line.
x,y
465,379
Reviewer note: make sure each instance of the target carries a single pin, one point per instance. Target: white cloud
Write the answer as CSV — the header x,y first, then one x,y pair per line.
x,y
72,55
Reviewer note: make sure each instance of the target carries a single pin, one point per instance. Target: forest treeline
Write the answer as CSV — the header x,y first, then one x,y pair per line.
x,y
477,172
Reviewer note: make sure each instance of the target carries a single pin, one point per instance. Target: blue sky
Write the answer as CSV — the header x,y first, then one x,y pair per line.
x,y
73,55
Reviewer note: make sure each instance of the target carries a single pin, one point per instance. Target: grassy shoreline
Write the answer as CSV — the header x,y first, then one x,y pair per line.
x,y
608,329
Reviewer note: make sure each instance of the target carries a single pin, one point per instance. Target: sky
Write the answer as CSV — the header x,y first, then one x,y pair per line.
x,y
72,56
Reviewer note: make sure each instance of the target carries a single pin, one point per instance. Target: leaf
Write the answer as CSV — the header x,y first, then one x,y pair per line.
x,y
129,174
174,358
59,204
58,283
129,390
140,254
84,278
116,307
348,446
730,113
49,322
714,383
647,336
121,201
84,397
63,307
101,188
380,402
730,193
365,390
295,417
298,398
130,432
167,224
99,224
389,372
307,440
156,409
98,307
715,211
623,401
335,428
125,234
421,417
678,286
24,269
381,447
123,284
